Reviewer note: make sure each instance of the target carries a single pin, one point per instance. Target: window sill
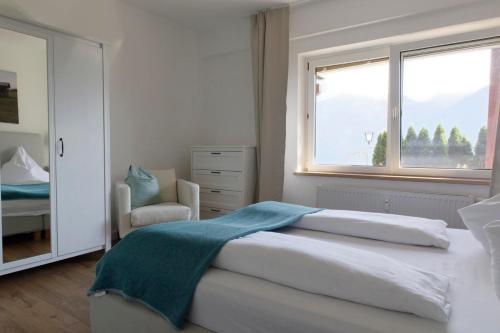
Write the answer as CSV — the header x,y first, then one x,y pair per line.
x,y
447,180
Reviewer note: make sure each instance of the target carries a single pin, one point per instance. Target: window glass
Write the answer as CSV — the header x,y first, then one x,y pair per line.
x,y
449,108
351,104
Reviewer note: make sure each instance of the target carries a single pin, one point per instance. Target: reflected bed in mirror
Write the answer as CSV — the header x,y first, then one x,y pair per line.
x,y
25,196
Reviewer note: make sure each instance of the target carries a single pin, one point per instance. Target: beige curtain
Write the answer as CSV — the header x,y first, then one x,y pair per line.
x,y
495,178
492,158
270,74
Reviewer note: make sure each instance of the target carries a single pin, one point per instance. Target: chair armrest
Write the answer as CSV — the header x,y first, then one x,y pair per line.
x,y
189,195
123,207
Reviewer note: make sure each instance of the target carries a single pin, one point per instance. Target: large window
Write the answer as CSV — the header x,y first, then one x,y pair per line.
x,y
428,111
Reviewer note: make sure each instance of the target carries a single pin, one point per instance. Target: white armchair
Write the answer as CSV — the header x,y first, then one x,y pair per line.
x,y
179,201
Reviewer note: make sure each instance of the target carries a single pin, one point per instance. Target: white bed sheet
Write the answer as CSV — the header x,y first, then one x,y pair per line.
x,y
231,302
25,207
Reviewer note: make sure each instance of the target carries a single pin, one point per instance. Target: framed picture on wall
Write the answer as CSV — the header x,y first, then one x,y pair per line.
x,y
9,112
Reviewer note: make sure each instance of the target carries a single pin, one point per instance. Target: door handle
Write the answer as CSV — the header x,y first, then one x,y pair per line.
x,y
61,141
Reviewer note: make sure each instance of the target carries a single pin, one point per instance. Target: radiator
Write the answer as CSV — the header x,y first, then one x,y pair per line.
x,y
433,206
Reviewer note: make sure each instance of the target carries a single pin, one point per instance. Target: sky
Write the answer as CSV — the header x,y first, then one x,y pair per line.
x,y
10,77
425,77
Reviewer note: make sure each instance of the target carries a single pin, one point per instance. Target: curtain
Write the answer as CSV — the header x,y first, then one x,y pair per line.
x,y
270,74
495,177
492,159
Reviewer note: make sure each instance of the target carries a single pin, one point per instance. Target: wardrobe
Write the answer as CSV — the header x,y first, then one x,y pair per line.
x,y
54,146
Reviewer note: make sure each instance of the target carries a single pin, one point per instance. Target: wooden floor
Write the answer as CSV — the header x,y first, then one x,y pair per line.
x,y
50,298
24,246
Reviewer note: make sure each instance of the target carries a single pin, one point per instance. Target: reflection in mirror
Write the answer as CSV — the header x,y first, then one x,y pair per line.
x,y
24,146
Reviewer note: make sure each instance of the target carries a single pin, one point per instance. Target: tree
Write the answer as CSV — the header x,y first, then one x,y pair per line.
x,y
480,148
466,150
409,143
439,144
380,151
455,149
411,137
424,143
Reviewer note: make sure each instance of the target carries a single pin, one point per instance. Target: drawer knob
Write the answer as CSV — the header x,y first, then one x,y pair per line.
x,y
215,191
215,172
215,153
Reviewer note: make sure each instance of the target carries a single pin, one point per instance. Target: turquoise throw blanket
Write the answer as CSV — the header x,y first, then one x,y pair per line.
x,y
25,191
161,265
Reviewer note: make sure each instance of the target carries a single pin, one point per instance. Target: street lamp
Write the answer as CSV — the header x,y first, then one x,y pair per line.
x,y
368,138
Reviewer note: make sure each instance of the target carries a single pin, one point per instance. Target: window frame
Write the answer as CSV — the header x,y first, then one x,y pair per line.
x,y
339,59
395,53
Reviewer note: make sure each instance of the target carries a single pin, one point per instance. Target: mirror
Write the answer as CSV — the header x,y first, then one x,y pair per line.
x,y
24,147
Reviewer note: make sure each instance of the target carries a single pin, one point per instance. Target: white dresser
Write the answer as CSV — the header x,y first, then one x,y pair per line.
x,y
226,175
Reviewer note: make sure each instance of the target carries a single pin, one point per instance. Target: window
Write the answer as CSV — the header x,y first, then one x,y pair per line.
x,y
437,117
445,108
351,107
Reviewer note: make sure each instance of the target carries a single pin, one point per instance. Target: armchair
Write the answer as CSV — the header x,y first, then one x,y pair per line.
x,y
179,201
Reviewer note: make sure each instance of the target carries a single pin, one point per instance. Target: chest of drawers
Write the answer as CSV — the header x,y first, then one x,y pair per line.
x,y
226,175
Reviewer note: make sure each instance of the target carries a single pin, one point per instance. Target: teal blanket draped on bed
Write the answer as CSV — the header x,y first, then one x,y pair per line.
x,y
161,265
25,191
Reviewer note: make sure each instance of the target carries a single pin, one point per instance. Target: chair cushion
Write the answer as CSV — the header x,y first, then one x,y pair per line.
x,y
163,212
168,184
144,187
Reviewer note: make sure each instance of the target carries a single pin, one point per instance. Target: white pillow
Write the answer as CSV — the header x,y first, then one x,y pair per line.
x,y
492,231
22,169
478,215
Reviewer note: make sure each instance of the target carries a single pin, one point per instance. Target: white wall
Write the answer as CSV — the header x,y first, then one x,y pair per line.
x,y
153,76
27,57
226,90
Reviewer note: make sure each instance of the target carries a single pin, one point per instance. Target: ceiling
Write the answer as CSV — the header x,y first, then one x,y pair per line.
x,y
199,14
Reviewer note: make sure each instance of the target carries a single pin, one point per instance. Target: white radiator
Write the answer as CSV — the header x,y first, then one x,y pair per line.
x,y
433,206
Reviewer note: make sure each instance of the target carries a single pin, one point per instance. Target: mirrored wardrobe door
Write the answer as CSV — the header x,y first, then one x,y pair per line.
x,y
24,147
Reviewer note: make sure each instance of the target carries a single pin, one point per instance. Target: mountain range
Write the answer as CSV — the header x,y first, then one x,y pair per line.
x,y
346,143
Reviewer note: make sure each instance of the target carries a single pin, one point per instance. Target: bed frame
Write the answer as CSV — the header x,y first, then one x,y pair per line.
x,y
129,317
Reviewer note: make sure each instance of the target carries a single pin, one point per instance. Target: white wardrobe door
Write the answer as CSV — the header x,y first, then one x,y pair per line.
x,y
79,123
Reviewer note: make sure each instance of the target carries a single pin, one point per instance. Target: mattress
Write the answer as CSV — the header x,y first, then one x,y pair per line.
x,y
229,302
26,207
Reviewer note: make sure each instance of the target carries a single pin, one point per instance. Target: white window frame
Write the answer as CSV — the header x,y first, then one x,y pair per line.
x,y
395,54
337,59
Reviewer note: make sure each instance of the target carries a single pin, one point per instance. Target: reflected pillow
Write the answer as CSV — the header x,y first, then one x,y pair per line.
x,y
22,169
476,216
144,187
492,231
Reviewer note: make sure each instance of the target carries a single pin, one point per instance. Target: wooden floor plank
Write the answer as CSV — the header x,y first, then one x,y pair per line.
x,y
50,298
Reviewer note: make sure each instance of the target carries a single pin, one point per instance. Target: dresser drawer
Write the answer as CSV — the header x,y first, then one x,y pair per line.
x,y
223,180
221,198
212,212
218,160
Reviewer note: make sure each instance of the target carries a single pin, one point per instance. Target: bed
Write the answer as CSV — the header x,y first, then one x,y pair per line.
x,y
229,302
25,207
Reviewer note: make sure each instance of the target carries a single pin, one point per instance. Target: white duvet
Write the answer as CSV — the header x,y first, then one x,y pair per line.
x,y
384,227
338,271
